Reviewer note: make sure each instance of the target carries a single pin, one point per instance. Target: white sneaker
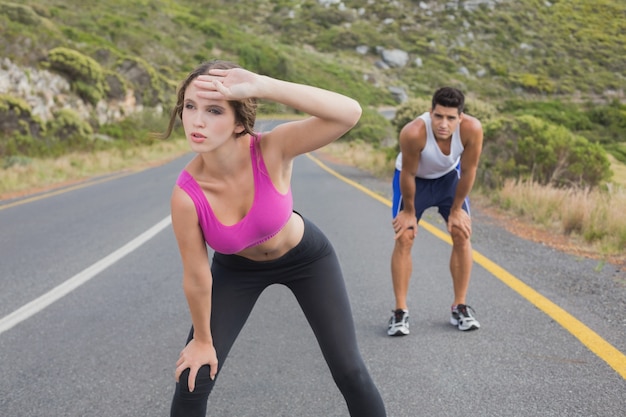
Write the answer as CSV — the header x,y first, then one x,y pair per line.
x,y
462,318
399,323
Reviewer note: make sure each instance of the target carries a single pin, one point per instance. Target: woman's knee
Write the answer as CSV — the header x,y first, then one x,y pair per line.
x,y
204,385
352,378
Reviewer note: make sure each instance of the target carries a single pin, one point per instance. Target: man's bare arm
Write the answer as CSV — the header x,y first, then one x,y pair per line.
x,y
472,138
412,141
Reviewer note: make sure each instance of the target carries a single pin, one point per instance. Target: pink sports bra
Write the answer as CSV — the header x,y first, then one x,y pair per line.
x,y
269,213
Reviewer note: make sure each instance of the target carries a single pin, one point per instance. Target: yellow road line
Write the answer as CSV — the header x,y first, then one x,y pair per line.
x,y
594,342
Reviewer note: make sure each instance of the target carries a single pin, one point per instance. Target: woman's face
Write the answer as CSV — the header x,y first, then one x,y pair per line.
x,y
208,124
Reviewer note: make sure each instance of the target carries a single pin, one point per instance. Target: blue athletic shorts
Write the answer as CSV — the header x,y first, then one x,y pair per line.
x,y
438,192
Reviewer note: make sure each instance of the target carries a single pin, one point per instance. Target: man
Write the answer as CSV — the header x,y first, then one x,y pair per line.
x,y
436,168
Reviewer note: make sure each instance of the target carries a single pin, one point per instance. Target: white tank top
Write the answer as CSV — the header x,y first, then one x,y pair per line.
x,y
433,163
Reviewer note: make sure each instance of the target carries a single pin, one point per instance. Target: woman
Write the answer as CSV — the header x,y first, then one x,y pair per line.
x,y
235,196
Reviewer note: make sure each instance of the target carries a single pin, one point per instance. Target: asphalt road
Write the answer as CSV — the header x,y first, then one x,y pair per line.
x,y
103,339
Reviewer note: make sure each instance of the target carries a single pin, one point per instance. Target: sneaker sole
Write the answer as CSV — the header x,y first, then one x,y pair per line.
x,y
398,332
455,323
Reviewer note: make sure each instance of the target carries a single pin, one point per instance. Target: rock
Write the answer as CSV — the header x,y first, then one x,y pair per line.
x,y
395,58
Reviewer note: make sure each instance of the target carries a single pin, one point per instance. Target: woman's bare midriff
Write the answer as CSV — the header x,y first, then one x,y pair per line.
x,y
277,246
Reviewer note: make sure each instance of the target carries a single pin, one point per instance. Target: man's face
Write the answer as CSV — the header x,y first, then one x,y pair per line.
x,y
445,120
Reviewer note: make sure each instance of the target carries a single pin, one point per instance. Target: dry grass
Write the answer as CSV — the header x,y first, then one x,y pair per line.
x,y
592,217
362,155
41,174
585,222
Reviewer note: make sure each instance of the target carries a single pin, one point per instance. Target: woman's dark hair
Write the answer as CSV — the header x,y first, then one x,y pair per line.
x,y
245,110
449,97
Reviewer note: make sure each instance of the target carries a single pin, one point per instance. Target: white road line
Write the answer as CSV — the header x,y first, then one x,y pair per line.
x,y
38,304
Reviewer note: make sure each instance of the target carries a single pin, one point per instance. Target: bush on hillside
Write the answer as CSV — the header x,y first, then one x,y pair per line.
x,y
531,149
67,124
483,111
567,115
610,127
20,13
84,73
116,85
602,123
408,111
533,83
263,59
16,117
613,115
20,130
150,87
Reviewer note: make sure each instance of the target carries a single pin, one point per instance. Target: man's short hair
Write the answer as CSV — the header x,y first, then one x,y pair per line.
x,y
449,97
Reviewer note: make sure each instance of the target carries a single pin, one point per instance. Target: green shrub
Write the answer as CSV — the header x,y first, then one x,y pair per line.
x,y
568,115
618,150
17,123
613,114
150,87
84,73
20,13
67,124
263,59
116,85
409,110
16,144
533,83
610,125
528,148
16,118
481,110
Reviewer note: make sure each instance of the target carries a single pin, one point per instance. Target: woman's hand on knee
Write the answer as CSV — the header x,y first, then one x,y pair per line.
x,y
193,357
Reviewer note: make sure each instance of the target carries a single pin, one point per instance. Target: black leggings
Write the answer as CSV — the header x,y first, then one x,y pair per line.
x,y
312,272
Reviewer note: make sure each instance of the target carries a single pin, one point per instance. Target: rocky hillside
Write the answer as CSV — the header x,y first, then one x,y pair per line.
x,y
97,61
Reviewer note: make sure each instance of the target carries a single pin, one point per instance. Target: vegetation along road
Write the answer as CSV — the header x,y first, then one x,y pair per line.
x,y
92,314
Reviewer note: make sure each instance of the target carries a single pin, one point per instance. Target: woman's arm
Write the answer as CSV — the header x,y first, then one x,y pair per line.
x,y
197,285
332,114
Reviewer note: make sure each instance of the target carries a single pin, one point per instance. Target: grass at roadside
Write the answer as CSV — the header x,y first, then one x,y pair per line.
x,y
591,218
41,174
362,155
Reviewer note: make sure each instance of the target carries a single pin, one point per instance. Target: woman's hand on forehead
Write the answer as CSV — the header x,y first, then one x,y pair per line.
x,y
230,84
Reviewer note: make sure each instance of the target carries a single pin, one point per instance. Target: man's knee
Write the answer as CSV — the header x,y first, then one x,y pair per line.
x,y
459,238
404,242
